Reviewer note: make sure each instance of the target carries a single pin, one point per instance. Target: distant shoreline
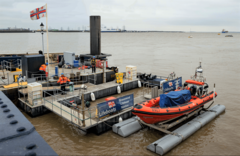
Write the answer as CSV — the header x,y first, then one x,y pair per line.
x,y
88,32
74,31
17,31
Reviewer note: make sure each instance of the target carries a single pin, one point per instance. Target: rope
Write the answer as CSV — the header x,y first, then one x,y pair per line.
x,y
107,124
210,105
34,72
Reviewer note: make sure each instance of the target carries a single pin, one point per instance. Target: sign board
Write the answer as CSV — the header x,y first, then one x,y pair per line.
x,y
107,107
172,85
112,106
125,102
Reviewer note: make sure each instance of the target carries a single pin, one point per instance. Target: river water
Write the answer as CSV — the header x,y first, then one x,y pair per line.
x,y
156,53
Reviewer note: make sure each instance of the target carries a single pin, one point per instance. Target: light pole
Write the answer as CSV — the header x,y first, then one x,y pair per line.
x,y
42,27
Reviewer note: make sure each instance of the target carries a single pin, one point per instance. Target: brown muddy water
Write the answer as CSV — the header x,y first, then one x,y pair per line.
x,y
156,53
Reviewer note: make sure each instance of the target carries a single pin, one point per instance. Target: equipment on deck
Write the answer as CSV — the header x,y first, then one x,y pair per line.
x,y
61,62
31,64
69,57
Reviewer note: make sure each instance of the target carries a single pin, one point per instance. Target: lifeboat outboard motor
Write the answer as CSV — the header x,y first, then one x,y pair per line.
x,y
193,90
185,85
148,76
200,91
205,89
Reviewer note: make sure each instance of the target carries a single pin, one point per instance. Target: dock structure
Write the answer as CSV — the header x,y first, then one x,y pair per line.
x,y
85,118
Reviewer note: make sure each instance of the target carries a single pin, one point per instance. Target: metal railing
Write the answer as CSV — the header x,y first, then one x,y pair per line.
x,y
79,115
73,112
9,65
41,78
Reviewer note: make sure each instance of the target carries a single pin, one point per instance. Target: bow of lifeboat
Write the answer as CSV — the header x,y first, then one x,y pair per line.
x,y
151,113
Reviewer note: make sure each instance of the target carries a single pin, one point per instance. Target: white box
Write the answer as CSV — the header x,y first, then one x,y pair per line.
x,y
34,87
131,67
30,96
131,72
69,57
35,102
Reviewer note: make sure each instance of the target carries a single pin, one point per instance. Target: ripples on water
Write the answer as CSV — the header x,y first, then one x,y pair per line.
x,y
156,53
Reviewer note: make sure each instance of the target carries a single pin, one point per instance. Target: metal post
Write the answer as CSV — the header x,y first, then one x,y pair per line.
x,y
83,111
71,113
52,106
43,43
78,115
8,78
26,74
61,109
104,71
84,65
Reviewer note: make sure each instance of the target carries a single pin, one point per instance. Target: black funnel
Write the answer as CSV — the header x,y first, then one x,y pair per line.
x,y
95,35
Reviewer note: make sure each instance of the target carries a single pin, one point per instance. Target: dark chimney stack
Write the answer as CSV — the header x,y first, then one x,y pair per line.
x,y
95,35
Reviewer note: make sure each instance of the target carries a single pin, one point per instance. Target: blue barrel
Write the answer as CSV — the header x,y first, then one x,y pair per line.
x,y
76,63
56,70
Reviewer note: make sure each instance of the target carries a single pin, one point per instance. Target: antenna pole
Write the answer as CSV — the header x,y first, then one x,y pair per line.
x,y
214,93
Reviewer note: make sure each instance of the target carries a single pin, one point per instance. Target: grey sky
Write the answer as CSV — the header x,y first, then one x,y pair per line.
x,y
166,15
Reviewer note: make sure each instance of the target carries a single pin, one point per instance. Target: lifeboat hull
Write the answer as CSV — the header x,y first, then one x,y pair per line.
x,y
152,113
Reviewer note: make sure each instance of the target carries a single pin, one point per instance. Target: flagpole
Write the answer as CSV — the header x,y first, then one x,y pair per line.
x,y
47,40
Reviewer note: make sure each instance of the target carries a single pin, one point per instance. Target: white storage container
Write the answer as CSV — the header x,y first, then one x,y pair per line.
x,y
35,102
34,87
34,93
131,72
69,57
31,96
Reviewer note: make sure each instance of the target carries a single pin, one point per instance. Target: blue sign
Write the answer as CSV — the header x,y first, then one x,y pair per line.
x,y
112,106
172,85
107,107
125,102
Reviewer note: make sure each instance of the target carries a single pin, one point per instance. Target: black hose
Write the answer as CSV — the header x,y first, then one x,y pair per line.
x,y
209,105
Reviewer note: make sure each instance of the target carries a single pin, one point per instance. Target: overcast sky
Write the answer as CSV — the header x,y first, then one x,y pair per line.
x,y
165,15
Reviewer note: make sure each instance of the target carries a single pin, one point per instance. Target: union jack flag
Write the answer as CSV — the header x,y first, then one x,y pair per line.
x,y
111,104
38,13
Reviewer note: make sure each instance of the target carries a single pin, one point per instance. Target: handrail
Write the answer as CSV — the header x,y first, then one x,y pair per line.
x,y
67,111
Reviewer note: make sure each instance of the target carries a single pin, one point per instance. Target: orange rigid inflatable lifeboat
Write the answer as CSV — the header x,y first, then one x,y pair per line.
x,y
150,111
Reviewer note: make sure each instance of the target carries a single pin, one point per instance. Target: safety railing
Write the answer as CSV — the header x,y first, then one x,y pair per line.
x,y
61,105
9,65
4,79
146,88
39,77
